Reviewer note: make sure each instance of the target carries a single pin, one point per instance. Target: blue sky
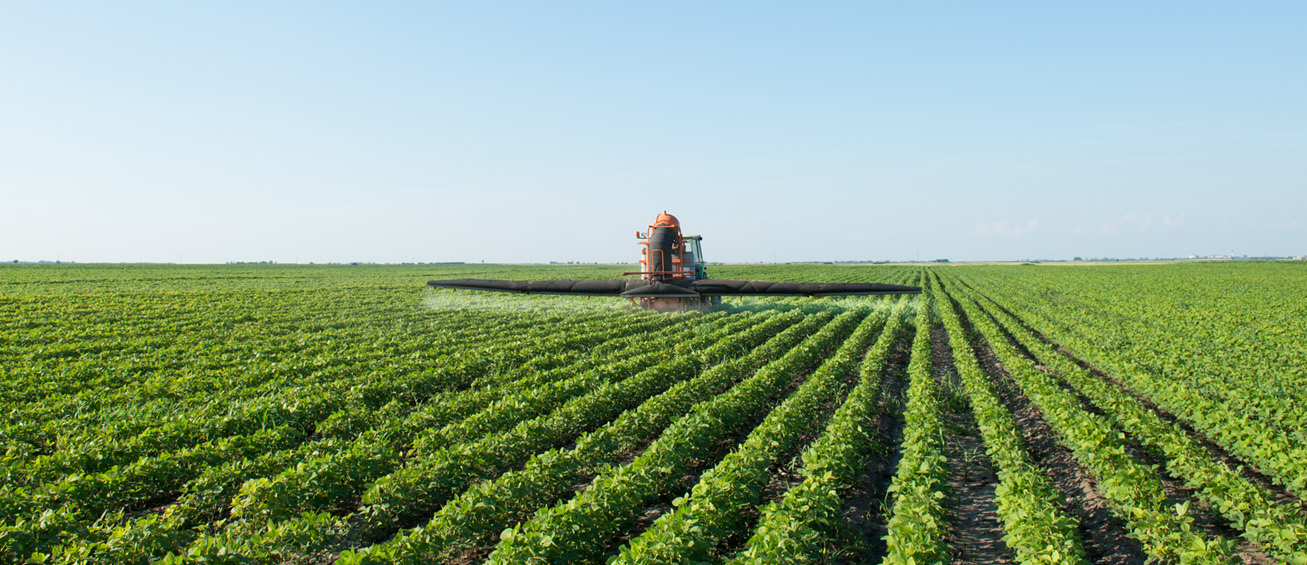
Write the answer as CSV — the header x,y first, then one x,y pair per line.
x,y
514,132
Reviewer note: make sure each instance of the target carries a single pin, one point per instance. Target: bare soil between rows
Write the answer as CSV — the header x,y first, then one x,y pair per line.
x,y
864,521
975,532
1103,535
1247,470
1206,519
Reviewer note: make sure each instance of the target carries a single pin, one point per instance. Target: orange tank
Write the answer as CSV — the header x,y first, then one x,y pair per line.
x,y
663,255
665,220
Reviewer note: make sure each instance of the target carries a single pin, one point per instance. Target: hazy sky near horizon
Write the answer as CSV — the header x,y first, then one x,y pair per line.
x,y
539,131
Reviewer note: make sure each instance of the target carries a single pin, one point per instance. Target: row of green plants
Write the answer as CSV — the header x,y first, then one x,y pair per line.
x,y
1204,372
711,513
580,530
916,528
124,385
210,496
50,512
1036,527
477,517
309,404
400,499
1279,529
1133,489
804,525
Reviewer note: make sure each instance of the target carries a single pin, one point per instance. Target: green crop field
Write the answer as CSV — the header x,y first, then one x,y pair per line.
x,y
349,414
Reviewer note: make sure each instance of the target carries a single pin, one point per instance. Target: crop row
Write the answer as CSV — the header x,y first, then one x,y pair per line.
x,y
710,513
332,480
477,517
916,529
1132,489
304,406
804,523
129,384
69,501
425,483
1279,529
1037,529
579,530
1248,410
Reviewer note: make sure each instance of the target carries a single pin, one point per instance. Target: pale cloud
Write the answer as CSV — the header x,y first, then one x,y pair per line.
x,y
1147,222
1005,227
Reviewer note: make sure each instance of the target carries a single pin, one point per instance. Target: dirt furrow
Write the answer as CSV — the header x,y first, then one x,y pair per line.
x,y
975,531
1206,519
1103,534
864,515
1232,461
651,512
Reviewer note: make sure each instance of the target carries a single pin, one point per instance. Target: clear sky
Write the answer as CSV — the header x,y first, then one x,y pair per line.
x,y
538,131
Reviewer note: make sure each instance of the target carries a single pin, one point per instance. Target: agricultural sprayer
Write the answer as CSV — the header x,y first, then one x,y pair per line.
x,y
673,276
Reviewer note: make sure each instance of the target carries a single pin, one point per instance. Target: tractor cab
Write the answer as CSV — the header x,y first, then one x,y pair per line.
x,y
694,257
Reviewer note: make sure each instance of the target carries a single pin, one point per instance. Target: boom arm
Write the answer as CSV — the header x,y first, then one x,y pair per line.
x,y
727,287
596,287
675,288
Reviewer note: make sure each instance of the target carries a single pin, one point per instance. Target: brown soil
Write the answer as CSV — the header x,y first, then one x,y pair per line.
x,y
787,473
863,515
1104,535
975,533
1207,520
646,516
1231,461
1247,470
